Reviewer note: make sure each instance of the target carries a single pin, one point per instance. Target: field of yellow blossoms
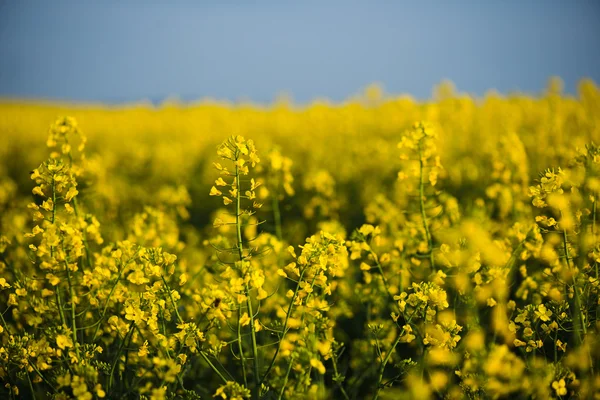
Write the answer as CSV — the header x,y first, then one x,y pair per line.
x,y
380,248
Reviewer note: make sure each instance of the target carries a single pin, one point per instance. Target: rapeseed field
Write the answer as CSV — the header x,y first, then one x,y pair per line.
x,y
380,248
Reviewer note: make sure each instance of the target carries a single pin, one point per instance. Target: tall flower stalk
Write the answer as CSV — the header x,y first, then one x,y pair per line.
x,y
242,154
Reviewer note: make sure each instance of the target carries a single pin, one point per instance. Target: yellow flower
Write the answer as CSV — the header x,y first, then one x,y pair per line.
x,y
560,387
232,391
36,230
99,392
366,229
71,193
48,205
543,313
262,294
159,393
137,277
215,192
63,341
117,254
183,278
12,300
38,190
64,380
254,184
244,319
318,365
143,351
53,279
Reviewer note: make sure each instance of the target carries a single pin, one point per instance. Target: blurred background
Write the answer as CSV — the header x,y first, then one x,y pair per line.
x,y
128,51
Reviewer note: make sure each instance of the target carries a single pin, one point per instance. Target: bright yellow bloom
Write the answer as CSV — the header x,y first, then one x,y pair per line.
x,y
215,192
244,319
63,341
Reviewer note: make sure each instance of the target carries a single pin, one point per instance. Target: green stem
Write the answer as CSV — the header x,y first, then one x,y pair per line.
x,y
116,360
555,346
76,209
337,375
168,289
53,201
53,211
422,206
284,330
108,298
240,247
37,371
84,234
204,356
285,380
387,358
277,216
594,217
240,346
59,305
384,363
73,316
212,366
31,387
578,317
385,282
5,325
254,347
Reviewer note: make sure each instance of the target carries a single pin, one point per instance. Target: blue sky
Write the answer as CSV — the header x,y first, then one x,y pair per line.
x,y
121,51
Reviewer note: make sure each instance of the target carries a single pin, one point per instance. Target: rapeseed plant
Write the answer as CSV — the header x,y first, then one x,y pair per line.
x,y
356,255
